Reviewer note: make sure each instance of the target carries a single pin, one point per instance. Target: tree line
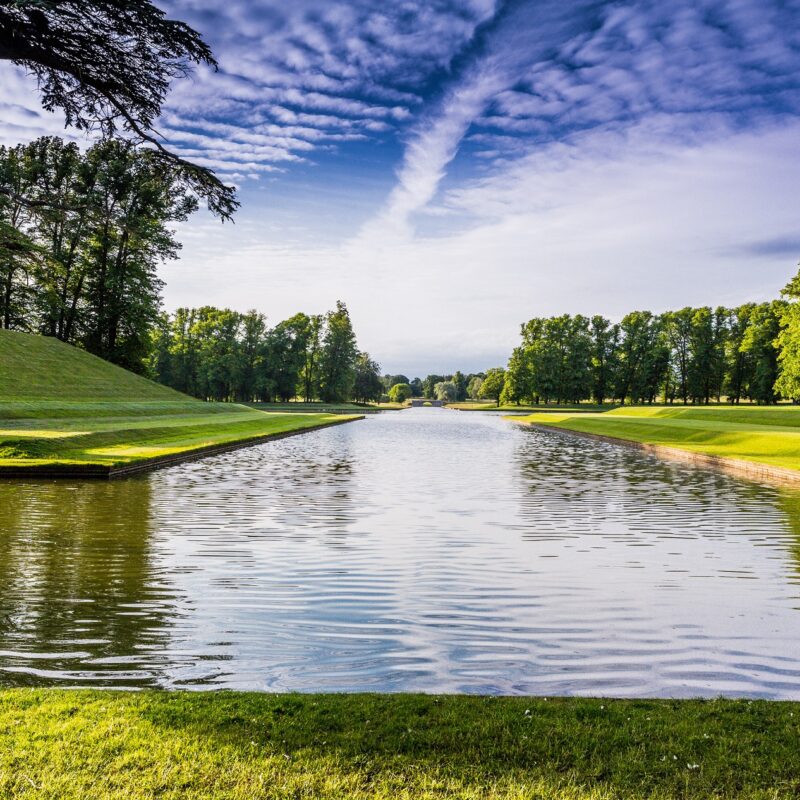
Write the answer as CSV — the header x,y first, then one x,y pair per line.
x,y
81,239
220,354
451,388
692,355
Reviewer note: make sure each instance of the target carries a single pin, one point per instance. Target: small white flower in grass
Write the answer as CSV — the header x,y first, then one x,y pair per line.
x,y
692,766
674,758
527,712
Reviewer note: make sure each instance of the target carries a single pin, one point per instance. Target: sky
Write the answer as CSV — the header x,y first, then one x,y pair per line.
x,y
452,168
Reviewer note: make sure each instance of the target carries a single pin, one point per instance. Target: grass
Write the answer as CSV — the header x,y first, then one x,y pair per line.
x,y
61,408
326,408
489,406
761,434
104,745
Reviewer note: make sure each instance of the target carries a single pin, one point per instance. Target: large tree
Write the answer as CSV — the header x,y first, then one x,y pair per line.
x,y
338,357
368,385
108,65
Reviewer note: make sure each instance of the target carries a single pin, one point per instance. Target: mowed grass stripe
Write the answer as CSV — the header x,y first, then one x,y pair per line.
x,y
61,407
754,434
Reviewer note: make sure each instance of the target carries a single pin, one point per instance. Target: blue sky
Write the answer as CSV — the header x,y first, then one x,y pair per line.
x,y
451,169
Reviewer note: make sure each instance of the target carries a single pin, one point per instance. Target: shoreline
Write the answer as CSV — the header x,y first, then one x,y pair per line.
x,y
739,468
111,472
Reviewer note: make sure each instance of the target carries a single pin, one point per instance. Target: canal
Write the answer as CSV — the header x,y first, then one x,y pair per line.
x,y
424,550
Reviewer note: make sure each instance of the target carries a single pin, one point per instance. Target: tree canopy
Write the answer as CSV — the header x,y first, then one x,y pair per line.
x,y
108,65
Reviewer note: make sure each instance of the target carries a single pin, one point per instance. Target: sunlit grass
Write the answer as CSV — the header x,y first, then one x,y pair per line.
x,y
111,442
765,435
60,406
103,745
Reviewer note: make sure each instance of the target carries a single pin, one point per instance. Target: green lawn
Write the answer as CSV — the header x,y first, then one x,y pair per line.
x,y
137,746
327,408
761,434
61,408
489,406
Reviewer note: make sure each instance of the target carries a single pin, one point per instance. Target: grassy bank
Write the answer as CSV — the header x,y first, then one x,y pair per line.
x,y
758,434
63,409
326,408
79,744
551,408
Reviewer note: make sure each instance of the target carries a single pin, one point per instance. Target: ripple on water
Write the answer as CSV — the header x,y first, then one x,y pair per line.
x,y
416,551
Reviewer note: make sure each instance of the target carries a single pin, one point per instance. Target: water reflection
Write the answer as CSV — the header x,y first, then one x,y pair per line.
x,y
80,598
421,551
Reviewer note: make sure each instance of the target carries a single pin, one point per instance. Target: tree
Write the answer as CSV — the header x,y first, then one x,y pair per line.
x,y
309,372
642,367
604,357
518,379
493,384
759,344
739,363
677,326
416,387
82,251
429,383
390,380
368,385
446,391
702,368
400,392
788,343
474,387
108,65
338,357
461,386
132,204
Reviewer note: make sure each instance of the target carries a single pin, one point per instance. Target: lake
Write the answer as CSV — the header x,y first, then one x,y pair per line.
x,y
424,550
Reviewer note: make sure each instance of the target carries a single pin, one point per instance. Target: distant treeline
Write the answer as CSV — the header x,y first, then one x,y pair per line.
x,y
219,354
452,388
694,355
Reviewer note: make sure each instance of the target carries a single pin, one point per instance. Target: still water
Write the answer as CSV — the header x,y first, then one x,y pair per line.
x,y
425,550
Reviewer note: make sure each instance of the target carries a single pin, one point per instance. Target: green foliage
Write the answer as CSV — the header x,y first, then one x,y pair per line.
x,y
429,384
368,386
493,384
390,380
691,355
108,64
446,391
338,358
101,223
788,342
220,354
231,746
400,392
460,382
474,387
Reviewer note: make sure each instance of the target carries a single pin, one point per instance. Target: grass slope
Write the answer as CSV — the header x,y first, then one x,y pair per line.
x,y
764,435
103,745
42,368
61,407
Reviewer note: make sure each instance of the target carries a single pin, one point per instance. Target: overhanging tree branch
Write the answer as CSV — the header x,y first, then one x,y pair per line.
x,y
108,65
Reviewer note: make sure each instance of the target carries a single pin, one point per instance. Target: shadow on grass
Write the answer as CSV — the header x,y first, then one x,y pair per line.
x,y
425,746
